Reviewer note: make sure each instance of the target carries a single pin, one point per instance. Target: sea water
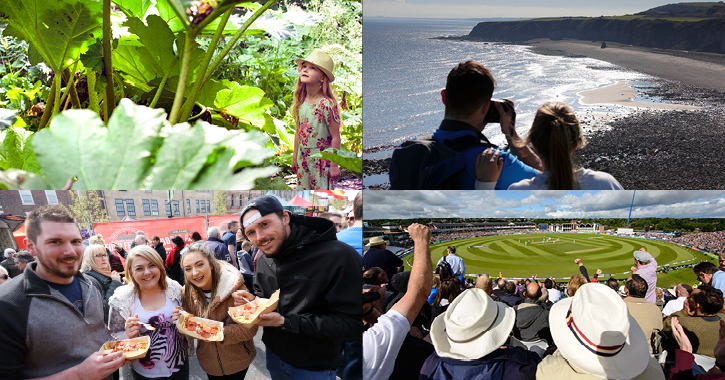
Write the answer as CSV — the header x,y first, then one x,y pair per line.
x,y
405,69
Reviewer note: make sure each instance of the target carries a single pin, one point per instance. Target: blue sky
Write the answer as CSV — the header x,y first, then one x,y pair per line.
x,y
520,8
542,204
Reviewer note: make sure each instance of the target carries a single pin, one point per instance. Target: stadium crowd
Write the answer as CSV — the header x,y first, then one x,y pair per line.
x,y
433,323
709,241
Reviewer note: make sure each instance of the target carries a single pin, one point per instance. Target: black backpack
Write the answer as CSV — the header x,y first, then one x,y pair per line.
x,y
426,164
443,269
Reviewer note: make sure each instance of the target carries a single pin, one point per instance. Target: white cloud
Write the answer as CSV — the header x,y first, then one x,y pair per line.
x,y
577,204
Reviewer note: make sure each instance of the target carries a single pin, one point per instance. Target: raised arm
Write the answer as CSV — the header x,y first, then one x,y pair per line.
x,y
420,275
516,144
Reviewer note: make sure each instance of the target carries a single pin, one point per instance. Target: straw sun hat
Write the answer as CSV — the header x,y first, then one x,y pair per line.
x,y
375,240
322,61
596,334
472,327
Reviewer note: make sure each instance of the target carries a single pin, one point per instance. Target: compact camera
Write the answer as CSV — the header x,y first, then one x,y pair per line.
x,y
492,116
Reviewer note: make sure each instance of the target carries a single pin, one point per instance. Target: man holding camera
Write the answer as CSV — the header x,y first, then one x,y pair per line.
x,y
467,98
459,156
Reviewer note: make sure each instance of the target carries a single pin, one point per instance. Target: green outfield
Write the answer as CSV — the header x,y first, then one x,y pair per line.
x,y
551,254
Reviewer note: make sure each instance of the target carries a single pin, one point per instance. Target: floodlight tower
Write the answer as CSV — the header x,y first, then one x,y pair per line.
x,y
630,208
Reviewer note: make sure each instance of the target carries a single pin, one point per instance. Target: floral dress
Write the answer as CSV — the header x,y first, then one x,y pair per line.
x,y
314,136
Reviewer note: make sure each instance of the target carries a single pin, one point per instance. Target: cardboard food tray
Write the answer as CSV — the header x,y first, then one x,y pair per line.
x,y
131,355
269,306
216,338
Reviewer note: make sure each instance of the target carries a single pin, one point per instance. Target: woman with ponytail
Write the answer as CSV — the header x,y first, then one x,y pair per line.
x,y
555,135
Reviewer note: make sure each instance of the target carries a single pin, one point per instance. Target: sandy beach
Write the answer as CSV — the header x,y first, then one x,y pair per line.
x,y
622,94
705,70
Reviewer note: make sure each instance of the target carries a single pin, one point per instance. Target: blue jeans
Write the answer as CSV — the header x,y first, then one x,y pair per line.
x,y
280,370
351,365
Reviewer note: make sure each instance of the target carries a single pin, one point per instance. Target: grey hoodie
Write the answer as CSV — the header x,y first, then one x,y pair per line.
x,y
42,332
532,322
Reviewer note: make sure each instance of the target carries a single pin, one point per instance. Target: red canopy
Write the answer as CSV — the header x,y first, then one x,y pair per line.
x,y
299,201
19,236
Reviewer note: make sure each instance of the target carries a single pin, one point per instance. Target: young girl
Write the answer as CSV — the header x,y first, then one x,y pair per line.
x,y
208,294
317,120
150,298
555,134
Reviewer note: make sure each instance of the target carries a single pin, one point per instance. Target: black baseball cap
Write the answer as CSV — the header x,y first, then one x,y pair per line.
x,y
265,204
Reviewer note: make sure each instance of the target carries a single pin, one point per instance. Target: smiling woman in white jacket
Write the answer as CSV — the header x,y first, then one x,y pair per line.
x,y
150,298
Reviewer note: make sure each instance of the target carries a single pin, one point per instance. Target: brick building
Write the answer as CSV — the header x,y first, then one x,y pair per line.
x,y
136,204
153,204
236,199
22,202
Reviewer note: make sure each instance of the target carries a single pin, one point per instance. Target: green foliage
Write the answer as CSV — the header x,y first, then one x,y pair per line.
x,y
345,158
152,66
139,149
269,64
21,84
16,151
57,30
245,103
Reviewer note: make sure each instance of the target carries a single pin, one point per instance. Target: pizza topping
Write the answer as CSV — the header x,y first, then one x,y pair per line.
x,y
245,312
203,330
129,345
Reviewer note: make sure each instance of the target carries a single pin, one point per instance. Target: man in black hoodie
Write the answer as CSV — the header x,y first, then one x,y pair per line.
x,y
319,280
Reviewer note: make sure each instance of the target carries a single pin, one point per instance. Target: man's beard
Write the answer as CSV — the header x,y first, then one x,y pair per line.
x,y
54,267
279,247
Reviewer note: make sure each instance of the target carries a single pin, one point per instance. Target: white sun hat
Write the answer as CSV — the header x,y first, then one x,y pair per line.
x,y
596,334
473,326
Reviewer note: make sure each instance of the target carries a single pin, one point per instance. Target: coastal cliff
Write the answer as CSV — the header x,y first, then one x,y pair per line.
x,y
704,31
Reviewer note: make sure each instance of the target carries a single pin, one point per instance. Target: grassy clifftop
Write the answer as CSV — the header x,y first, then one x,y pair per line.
x,y
684,26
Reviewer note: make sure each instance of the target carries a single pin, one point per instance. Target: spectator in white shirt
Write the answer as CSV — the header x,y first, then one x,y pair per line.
x,y
683,291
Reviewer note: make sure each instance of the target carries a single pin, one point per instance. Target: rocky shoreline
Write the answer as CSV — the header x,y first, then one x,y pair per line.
x,y
652,150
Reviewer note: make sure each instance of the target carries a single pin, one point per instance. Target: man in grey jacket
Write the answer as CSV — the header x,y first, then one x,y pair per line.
x,y
53,315
532,318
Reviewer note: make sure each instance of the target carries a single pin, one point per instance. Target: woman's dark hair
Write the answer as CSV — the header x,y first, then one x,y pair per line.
x,y
554,135
178,241
450,289
195,236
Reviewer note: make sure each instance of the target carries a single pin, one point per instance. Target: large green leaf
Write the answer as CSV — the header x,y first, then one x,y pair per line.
x,y
137,8
345,158
246,103
116,157
16,151
148,54
57,30
139,149
184,152
16,179
7,118
158,41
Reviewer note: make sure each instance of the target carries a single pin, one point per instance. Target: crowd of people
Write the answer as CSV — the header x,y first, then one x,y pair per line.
x,y
61,308
710,241
426,324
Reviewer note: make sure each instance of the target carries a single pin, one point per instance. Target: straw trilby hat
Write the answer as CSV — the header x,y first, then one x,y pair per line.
x,y
473,326
376,240
596,334
323,62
